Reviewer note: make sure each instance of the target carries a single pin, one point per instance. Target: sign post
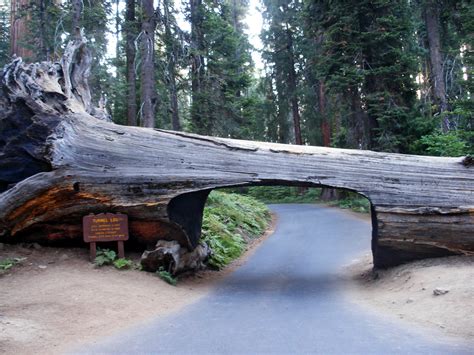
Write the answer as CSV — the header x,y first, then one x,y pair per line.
x,y
105,227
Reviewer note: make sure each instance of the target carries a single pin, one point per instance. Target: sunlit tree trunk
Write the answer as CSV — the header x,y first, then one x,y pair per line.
x,y
19,28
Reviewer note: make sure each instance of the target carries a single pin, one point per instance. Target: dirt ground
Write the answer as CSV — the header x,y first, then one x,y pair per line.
x,y
55,299
416,292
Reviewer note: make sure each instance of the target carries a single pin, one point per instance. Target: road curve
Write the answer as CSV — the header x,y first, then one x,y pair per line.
x,y
287,299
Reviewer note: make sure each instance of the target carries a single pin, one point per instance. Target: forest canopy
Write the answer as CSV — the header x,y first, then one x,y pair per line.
x,y
384,75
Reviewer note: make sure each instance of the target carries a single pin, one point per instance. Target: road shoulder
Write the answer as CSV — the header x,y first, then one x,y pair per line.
x,y
432,293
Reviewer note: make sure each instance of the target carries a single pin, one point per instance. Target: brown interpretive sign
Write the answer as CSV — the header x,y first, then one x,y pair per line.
x,y
105,227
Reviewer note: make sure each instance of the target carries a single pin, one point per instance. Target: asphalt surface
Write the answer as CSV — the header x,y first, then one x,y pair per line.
x,y
287,299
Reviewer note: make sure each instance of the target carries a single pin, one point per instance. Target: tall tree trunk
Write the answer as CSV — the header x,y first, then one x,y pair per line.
x,y
327,193
171,54
43,48
148,89
238,28
271,119
19,16
130,52
283,129
356,138
76,7
292,86
174,105
197,68
325,126
117,35
434,43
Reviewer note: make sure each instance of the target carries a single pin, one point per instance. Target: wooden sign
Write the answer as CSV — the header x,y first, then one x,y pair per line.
x,y
105,227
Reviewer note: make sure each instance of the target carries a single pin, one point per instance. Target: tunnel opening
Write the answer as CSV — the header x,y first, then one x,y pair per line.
x,y
274,195
206,216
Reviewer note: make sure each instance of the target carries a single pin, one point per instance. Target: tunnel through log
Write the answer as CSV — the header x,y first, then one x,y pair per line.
x,y
75,162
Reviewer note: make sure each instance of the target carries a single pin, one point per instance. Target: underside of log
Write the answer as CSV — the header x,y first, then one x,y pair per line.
x,y
62,159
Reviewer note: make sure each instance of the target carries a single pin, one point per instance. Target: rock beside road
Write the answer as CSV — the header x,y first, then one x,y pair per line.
x,y
440,291
172,257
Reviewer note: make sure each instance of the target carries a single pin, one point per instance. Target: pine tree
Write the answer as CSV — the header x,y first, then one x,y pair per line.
x,y
147,73
367,60
282,38
199,122
130,34
174,53
19,33
221,68
432,21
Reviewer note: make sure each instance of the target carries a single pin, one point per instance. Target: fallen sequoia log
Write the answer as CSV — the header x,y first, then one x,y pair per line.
x,y
61,159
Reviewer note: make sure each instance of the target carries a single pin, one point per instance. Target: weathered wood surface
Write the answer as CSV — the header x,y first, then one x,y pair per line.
x,y
59,163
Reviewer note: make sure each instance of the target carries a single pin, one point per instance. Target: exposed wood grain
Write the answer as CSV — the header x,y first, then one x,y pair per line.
x,y
78,164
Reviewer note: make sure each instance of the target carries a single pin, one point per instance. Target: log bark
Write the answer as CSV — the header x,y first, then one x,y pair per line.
x,y
59,163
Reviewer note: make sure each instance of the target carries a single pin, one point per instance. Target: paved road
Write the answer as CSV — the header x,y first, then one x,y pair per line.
x,y
287,299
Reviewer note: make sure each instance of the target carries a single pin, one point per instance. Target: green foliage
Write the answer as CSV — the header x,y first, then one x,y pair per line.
x,y
290,194
104,257
166,276
450,144
354,202
223,101
282,194
366,62
44,20
8,263
123,263
228,220
282,38
361,68
109,257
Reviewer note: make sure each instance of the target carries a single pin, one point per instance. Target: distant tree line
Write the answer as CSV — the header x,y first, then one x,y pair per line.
x,y
387,75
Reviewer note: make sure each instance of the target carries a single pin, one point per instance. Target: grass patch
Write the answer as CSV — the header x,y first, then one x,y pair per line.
x,y
8,263
230,220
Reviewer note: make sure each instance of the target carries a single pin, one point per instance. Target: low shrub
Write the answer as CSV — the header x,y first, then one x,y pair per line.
x,y
229,222
8,263
166,276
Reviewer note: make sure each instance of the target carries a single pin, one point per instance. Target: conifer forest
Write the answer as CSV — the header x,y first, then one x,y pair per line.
x,y
392,76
